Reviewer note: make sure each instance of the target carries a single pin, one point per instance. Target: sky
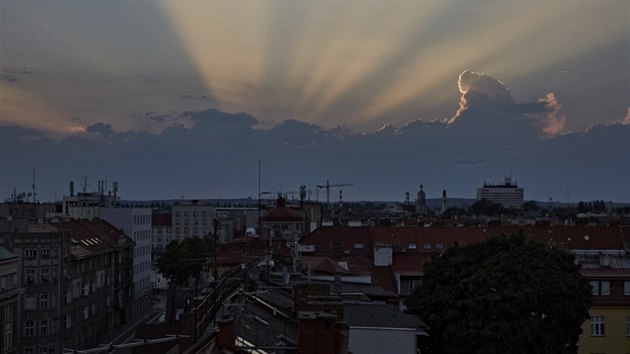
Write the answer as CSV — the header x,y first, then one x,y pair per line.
x,y
356,92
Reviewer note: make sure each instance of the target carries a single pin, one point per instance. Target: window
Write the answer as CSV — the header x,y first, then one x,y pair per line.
x,y
30,275
439,246
626,287
358,246
594,287
43,301
30,253
29,302
45,252
43,327
45,278
598,327
86,313
67,322
408,285
426,246
605,288
413,246
204,214
185,214
195,214
29,328
177,214
627,326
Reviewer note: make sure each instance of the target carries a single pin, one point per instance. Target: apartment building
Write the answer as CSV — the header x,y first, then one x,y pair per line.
x,y
191,218
10,295
136,223
508,194
77,278
99,293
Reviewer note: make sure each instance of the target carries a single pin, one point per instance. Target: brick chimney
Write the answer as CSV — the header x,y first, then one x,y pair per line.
x,y
316,332
227,332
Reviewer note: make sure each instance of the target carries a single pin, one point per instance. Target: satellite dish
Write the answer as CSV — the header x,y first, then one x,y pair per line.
x,y
586,237
250,232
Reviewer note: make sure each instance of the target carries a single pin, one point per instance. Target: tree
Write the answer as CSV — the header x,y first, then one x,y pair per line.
x,y
185,259
530,206
487,207
502,295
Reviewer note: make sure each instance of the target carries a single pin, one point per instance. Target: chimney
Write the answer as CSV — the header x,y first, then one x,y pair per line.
x,y
316,333
227,333
280,202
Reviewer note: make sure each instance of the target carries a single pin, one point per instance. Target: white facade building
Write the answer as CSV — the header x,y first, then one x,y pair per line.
x,y
136,223
87,205
508,194
192,218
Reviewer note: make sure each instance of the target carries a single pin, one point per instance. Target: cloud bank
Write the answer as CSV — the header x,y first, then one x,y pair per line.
x,y
209,153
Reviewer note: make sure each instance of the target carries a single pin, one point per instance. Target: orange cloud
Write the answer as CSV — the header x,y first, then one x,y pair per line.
x,y
76,129
554,122
626,119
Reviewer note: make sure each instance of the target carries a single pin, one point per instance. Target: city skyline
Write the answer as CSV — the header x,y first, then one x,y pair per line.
x,y
386,96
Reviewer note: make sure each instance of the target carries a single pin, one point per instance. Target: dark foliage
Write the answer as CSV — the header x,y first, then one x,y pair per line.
x,y
185,259
503,295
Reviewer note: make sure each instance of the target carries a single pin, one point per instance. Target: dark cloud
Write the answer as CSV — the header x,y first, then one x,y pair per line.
x,y
101,128
479,89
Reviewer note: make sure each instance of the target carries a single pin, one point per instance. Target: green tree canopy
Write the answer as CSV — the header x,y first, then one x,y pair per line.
x,y
502,295
185,259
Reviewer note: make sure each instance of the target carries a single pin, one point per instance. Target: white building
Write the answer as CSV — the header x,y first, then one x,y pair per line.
x,y
192,218
87,205
136,223
508,194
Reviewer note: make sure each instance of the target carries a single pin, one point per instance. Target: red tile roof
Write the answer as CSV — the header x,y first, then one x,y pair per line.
x,y
161,219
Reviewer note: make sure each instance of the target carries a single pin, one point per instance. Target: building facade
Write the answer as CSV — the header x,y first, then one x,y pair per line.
x,y
77,280
136,223
508,194
193,218
161,232
10,294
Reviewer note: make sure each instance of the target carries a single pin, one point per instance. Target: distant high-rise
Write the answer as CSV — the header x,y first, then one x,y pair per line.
x,y
508,194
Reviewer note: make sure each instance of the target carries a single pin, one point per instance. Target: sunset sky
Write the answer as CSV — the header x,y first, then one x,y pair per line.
x,y
387,95
362,64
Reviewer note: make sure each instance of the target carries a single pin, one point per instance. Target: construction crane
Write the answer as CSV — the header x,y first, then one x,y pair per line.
x,y
328,186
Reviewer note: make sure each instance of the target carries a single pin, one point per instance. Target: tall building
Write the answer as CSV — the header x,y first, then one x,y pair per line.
x,y
508,194
136,223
